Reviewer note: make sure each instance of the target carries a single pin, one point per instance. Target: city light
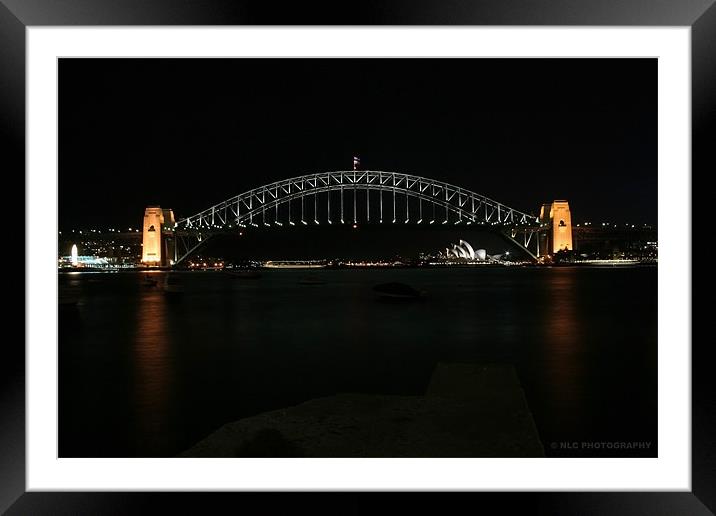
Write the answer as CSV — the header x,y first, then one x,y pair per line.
x,y
149,249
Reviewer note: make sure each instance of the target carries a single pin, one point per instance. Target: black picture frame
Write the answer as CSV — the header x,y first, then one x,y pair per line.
x,y
16,15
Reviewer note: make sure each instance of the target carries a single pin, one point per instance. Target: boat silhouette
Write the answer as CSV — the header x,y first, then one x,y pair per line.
x,y
397,291
172,286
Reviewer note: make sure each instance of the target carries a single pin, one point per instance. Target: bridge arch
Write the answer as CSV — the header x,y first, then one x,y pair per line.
x,y
467,207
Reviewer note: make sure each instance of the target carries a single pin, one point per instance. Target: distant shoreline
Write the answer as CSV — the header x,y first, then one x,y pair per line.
x,y
601,265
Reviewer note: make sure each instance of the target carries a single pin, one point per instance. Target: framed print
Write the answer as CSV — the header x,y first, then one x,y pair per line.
x,y
418,249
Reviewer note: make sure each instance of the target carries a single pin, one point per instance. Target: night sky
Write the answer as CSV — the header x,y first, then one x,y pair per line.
x,y
186,134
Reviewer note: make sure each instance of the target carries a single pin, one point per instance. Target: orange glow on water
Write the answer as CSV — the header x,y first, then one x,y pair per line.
x,y
150,362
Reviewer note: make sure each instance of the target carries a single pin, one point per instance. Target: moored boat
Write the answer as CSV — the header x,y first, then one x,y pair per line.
x,y
397,291
149,281
172,286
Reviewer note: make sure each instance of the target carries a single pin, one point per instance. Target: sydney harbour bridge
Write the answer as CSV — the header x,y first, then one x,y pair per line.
x,y
340,197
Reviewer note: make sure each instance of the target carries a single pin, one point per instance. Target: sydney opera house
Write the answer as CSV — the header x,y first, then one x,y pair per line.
x,y
465,251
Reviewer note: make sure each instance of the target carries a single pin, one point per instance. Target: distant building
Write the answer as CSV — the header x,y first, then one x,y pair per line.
x,y
82,261
465,251
608,240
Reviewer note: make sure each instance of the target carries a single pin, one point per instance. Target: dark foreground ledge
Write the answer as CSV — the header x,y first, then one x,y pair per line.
x,y
469,410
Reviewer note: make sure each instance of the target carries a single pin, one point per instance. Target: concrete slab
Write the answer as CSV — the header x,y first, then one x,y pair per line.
x,y
469,411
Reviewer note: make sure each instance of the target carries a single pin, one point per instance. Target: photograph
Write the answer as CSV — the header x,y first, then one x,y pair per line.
x,y
357,257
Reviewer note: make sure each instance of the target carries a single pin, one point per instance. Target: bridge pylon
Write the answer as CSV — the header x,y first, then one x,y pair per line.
x,y
158,242
555,234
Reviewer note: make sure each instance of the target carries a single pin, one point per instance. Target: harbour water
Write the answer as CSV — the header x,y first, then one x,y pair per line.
x,y
145,374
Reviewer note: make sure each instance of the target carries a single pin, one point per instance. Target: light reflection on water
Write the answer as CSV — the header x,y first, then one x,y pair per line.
x,y
157,375
563,336
152,362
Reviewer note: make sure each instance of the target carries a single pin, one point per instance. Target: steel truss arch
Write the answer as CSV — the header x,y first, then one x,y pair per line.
x,y
244,209
458,200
